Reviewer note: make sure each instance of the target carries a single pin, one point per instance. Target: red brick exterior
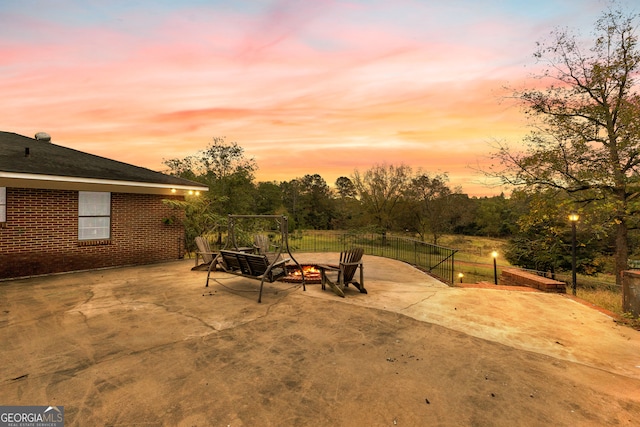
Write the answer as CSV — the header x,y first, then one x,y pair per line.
x,y
514,277
41,233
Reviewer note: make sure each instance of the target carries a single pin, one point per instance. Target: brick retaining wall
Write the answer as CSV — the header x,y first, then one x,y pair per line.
x,y
514,277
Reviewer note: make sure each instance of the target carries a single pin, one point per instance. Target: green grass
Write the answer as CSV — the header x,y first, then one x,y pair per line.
x,y
473,258
609,300
473,249
603,298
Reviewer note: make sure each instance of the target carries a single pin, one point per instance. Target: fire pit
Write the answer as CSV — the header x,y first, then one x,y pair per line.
x,y
311,274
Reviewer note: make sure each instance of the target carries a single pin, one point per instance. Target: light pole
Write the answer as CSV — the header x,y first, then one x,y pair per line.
x,y
573,218
460,275
494,254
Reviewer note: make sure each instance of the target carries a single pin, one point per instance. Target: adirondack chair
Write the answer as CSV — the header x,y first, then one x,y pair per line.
x,y
261,243
263,246
350,261
204,251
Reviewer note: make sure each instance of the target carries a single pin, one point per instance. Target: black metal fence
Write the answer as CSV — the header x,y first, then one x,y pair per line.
x,y
435,260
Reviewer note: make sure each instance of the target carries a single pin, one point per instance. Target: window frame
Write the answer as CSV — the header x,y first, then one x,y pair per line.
x,y
3,205
91,209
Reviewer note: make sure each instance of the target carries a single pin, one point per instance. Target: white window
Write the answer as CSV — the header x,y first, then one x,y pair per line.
x,y
94,215
3,204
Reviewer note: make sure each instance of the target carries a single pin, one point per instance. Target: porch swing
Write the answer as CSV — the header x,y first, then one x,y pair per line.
x,y
242,261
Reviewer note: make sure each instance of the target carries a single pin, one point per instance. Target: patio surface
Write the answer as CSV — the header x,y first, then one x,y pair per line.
x,y
152,346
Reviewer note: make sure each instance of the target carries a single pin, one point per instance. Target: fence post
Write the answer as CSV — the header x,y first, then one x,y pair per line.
x,y
452,266
397,248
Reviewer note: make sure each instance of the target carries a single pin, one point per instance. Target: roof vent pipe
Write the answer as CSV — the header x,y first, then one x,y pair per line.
x,y
43,136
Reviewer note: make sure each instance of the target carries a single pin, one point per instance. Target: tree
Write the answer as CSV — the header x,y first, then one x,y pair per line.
x,y
347,208
432,212
587,140
268,198
543,239
229,175
495,216
345,188
291,201
315,202
198,218
380,190
224,168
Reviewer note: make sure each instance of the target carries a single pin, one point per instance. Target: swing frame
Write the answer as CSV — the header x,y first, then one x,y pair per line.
x,y
283,225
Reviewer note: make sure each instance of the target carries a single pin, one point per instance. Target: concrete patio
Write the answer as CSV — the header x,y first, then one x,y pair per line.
x,y
152,346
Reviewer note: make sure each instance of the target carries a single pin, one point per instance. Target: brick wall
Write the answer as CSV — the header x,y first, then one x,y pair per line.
x,y
513,277
41,233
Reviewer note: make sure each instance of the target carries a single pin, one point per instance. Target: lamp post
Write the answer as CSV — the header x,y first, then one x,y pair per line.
x,y
573,218
494,254
460,275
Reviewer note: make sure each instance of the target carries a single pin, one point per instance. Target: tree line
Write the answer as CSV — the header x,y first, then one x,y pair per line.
x,y
384,198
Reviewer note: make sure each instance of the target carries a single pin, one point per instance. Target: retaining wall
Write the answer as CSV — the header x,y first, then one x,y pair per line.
x,y
514,277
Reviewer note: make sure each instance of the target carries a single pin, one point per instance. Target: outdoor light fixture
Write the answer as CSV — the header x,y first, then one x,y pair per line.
x,y
460,275
191,192
494,254
574,217
197,193
173,190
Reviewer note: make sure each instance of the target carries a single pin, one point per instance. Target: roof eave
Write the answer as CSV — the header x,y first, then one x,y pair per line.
x,y
25,180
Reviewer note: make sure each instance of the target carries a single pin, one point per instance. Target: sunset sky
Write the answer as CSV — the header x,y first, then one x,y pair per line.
x,y
307,86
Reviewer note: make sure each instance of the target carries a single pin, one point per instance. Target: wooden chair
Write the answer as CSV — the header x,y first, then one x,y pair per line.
x,y
261,243
263,246
204,251
350,261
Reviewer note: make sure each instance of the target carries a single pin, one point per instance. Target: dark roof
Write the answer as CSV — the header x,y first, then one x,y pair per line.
x,y
46,158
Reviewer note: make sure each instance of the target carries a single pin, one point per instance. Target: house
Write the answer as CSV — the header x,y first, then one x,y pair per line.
x,y
65,210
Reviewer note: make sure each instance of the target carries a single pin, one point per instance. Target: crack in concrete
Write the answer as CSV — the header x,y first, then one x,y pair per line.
x,y
92,362
189,316
418,302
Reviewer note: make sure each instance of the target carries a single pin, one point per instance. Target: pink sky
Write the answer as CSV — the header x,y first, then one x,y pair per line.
x,y
321,87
